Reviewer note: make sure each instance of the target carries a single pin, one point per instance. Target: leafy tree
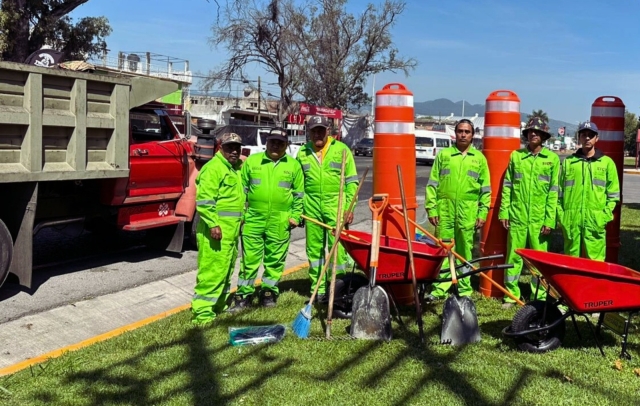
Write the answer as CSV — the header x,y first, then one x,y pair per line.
x,y
316,50
28,25
630,131
539,113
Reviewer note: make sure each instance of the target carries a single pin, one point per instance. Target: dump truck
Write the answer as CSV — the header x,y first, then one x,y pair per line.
x,y
90,148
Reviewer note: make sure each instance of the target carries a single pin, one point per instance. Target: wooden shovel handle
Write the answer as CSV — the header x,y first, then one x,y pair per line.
x,y
452,268
377,204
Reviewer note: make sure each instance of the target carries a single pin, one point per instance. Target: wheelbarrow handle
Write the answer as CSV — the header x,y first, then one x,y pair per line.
x,y
462,259
476,271
332,228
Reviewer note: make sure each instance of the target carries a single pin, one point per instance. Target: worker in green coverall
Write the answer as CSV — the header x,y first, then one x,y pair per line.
x,y
274,186
220,203
589,191
529,203
457,200
321,160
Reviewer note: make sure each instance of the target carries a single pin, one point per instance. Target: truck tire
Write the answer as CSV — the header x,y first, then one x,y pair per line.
x,y
6,251
530,316
193,239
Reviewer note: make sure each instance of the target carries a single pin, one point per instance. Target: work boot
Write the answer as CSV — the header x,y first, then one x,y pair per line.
x,y
267,298
239,303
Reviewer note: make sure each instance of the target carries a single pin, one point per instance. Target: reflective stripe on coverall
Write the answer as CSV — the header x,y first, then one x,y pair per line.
x,y
529,202
321,189
459,193
589,191
274,193
220,202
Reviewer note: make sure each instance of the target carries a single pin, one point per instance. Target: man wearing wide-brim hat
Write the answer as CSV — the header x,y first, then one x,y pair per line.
x,y
529,202
590,191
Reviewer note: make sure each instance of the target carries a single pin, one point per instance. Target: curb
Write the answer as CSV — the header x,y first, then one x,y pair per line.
x,y
116,332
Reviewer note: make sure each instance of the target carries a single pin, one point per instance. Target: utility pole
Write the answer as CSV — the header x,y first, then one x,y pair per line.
x,y
258,100
462,108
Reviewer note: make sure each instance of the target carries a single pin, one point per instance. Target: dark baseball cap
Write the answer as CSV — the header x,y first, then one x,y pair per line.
x,y
317,121
278,134
588,125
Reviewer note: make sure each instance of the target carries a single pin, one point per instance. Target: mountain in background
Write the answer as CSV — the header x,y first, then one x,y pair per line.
x,y
441,108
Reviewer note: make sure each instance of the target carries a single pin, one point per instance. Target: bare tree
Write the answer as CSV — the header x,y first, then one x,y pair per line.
x,y
256,33
339,51
315,49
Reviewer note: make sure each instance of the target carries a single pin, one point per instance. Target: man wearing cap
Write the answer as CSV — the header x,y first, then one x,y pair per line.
x,y
321,160
274,186
589,191
220,202
457,200
529,203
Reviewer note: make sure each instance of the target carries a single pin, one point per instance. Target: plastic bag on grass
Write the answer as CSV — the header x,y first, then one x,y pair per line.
x,y
256,334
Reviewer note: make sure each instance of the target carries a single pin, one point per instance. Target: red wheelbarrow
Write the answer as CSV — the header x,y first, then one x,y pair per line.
x,y
584,286
394,266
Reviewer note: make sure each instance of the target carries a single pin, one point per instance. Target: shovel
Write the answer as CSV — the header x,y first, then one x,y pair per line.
x,y
370,315
411,261
459,317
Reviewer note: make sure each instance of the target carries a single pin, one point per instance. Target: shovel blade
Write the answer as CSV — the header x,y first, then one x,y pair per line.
x,y
459,322
370,315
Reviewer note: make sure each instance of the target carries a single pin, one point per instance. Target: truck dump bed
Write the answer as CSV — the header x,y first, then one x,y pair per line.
x,y
64,125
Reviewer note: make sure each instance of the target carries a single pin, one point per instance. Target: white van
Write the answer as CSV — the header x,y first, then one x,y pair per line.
x,y
428,143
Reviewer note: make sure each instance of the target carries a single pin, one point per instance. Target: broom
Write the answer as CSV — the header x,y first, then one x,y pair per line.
x,y
302,323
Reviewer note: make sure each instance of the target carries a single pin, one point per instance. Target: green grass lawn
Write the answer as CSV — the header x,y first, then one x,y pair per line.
x,y
172,363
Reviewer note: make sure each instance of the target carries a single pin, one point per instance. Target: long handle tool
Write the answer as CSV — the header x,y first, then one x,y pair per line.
x,y
411,262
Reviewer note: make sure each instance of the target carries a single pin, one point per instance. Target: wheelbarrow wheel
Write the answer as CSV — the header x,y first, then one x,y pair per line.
x,y
530,317
346,287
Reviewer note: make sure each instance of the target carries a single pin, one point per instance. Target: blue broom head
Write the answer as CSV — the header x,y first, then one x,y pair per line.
x,y
302,323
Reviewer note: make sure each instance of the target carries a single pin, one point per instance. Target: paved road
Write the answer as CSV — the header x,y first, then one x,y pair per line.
x,y
98,268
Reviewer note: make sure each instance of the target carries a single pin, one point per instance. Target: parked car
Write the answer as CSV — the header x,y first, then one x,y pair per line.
x,y
364,147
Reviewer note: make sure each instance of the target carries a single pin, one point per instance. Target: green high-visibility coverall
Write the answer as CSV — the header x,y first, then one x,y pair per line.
x,y
459,193
220,202
589,191
274,193
321,189
529,202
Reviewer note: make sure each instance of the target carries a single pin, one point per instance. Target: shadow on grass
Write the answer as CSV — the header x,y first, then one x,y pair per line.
x,y
119,383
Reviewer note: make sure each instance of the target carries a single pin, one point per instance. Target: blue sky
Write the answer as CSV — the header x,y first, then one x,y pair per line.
x,y
558,56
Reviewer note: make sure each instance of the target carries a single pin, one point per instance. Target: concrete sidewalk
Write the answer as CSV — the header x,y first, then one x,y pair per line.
x,y
39,334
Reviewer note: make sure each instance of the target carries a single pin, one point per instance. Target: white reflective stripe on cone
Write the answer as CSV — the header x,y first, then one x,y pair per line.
x,y
495,131
394,100
610,135
607,111
503,105
383,127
